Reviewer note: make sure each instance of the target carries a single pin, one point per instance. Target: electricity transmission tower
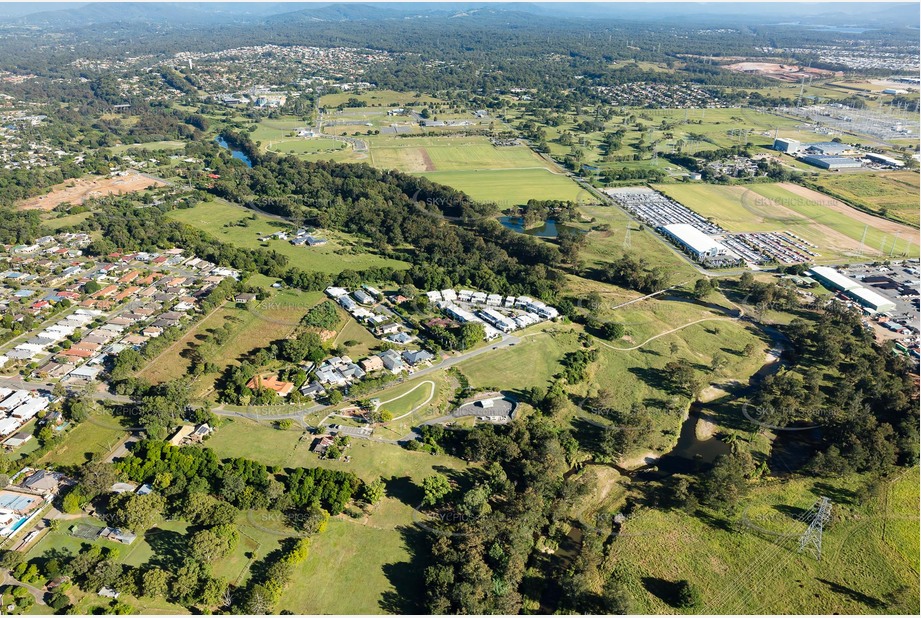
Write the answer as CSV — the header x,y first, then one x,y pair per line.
x,y
811,540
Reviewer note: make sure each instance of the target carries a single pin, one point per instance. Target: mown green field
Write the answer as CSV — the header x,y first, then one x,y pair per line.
x,y
221,218
509,188
740,563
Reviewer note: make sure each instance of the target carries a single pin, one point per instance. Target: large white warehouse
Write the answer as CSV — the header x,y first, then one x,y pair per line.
x,y
696,242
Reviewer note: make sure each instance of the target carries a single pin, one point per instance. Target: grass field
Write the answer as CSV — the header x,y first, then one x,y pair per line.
x,y
893,194
96,435
777,207
630,375
511,187
443,154
291,447
376,549
220,218
624,236
150,146
868,566
254,327
355,569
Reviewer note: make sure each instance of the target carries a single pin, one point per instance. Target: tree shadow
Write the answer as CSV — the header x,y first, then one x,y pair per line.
x,y
854,595
169,548
665,590
839,495
793,512
717,523
403,489
407,596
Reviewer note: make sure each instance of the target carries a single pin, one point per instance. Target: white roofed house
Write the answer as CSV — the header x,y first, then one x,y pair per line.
x,y
449,294
8,425
14,400
29,409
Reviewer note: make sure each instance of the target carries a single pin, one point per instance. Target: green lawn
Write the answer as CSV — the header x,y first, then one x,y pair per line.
x,y
98,434
219,218
355,569
291,448
512,187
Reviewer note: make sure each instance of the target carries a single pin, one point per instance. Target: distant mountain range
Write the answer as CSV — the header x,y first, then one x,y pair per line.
x,y
75,15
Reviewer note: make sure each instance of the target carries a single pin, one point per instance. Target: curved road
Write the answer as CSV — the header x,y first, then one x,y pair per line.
x,y
424,403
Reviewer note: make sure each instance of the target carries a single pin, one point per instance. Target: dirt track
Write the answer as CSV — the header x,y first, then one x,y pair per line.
x,y
79,190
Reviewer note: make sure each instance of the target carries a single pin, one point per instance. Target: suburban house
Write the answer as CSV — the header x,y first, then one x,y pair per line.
x,y
281,388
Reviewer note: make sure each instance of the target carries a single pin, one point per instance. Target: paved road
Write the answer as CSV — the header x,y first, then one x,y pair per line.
x,y
505,342
424,403
30,385
7,578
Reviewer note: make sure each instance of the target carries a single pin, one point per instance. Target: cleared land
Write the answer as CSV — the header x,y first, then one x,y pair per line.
x,y
243,227
97,435
836,228
891,194
254,327
869,560
628,375
424,154
375,549
511,187
79,190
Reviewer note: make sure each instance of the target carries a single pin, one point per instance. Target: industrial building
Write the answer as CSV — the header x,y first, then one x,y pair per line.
x,y
790,146
827,149
871,300
832,279
830,163
698,244
883,160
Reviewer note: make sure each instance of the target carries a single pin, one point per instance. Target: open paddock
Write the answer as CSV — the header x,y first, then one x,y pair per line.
x,y
511,187
242,227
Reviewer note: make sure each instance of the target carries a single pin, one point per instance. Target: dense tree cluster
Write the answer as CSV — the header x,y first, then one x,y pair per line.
x,y
858,391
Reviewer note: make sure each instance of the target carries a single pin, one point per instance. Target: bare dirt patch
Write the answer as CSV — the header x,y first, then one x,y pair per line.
x,y
426,160
883,225
79,190
833,239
